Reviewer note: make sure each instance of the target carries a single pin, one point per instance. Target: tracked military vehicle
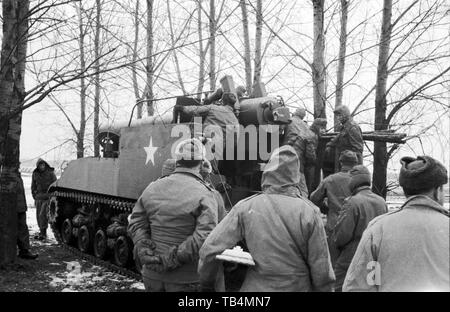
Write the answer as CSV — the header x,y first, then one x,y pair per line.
x,y
92,199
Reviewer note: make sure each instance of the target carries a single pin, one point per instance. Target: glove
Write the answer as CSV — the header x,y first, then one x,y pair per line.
x,y
166,262
170,260
144,252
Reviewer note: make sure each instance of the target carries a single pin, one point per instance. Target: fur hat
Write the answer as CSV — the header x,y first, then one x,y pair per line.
x,y
348,157
342,110
421,174
359,176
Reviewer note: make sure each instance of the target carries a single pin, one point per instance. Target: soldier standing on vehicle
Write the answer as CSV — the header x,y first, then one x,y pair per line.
x,y
170,222
43,176
350,136
331,193
298,135
283,232
407,249
358,210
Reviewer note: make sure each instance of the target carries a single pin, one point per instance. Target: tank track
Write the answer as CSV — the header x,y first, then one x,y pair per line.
x,y
119,205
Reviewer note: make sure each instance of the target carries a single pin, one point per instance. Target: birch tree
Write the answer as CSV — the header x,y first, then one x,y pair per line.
x,y
318,64
246,38
12,93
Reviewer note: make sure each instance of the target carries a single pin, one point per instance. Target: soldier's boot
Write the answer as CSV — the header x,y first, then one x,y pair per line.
x,y
42,235
26,254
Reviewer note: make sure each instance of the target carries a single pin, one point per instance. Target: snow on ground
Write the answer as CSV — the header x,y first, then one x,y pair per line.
x,y
57,270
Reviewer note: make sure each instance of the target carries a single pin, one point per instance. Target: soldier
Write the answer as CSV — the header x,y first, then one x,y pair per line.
x,y
23,235
334,188
358,210
317,128
299,136
217,115
170,222
350,135
43,176
283,232
407,249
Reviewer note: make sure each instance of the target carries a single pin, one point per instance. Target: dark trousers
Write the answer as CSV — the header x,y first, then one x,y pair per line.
x,y
41,214
23,237
159,286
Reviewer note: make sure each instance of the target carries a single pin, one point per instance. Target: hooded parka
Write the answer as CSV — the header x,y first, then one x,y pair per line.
x,y
284,234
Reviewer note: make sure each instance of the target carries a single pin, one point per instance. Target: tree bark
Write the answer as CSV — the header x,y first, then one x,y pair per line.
x,y
202,53
247,56
174,51
318,66
212,45
97,78
81,132
149,69
258,42
380,157
134,60
341,61
12,93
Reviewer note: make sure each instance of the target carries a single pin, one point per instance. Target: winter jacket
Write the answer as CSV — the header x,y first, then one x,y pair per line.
x,y
219,115
349,138
283,232
358,210
177,210
298,135
335,188
41,181
404,250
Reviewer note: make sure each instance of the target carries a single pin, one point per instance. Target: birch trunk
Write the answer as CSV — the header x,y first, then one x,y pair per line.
x,y
341,61
12,92
201,71
318,66
149,69
380,156
134,60
97,77
258,42
212,45
81,132
247,56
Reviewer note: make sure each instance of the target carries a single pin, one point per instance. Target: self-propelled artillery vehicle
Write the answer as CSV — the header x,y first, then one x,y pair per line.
x,y
91,201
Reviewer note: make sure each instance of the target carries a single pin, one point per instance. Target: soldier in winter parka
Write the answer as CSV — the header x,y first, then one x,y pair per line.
x,y
283,231
43,176
358,210
407,249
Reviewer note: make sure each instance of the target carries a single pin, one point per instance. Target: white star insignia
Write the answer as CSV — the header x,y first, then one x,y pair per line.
x,y
150,150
